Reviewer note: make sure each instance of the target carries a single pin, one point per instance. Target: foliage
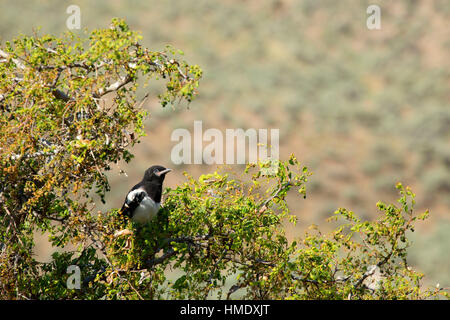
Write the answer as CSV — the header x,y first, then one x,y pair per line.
x,y
222,234
68,110
310,68
388,86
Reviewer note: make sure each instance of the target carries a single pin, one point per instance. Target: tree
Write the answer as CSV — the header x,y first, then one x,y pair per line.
x,y
68,110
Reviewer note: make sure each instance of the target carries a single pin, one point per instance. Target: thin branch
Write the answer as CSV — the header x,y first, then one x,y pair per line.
x,y
134,289
155,261
114,87
61,95
263,206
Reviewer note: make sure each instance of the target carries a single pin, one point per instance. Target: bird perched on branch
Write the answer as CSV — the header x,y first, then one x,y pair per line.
x,y
144,199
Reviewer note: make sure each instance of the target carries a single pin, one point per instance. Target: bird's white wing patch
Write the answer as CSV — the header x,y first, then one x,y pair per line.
x,y
132,194
146,210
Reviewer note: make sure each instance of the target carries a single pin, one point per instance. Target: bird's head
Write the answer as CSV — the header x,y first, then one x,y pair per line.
x,y
156,173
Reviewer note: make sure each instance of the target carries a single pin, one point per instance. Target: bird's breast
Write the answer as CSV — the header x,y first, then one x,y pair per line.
x,y
146,210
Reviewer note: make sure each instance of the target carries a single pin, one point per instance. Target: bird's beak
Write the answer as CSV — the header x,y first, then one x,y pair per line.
x,y
160,173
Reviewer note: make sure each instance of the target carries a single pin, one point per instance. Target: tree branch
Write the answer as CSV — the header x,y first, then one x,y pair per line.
x,y
114,87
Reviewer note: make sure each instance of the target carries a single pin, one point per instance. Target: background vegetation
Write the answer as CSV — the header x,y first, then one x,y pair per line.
x,y
362,109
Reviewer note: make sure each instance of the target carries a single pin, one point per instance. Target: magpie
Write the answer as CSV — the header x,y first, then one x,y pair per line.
x,y
144,199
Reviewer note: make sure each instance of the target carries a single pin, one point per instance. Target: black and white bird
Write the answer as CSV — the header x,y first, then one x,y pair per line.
x,y
144,199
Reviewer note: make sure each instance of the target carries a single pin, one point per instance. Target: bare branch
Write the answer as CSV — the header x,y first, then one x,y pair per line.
x,y
114,87
155,261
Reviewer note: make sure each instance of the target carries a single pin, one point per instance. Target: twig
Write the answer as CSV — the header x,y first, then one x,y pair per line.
x,y
155,261
263,206
134,289
114,87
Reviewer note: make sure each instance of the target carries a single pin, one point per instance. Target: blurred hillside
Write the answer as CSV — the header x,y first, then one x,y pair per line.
x,y
362,109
